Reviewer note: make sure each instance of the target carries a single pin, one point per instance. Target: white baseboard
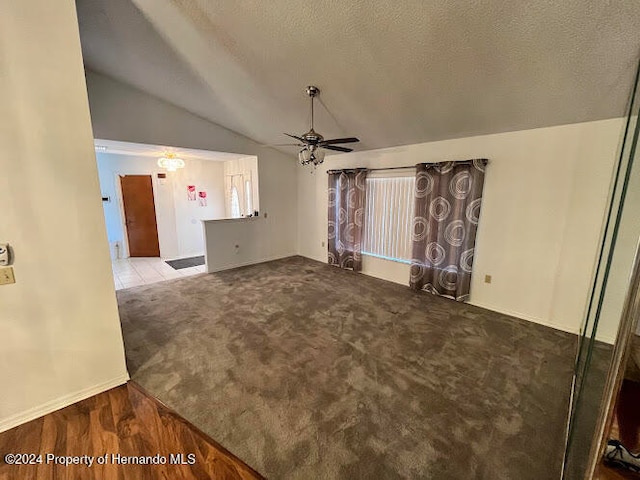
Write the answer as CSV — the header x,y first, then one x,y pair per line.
x,y
252,262
61,402
529,318
606,339
546,323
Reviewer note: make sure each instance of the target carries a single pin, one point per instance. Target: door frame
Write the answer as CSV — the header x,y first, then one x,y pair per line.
x,y
123,224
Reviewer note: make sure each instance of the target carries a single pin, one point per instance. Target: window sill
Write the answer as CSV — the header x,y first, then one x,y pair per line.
x,y
397,260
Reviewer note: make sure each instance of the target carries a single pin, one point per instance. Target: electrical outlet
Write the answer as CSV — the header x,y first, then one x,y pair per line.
x,y
6,276
487,279
323,243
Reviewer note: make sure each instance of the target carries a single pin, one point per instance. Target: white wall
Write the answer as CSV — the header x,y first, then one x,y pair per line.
x,y
625,248
208,176
120,112
60,338
544,199
179,220
622,261
235,242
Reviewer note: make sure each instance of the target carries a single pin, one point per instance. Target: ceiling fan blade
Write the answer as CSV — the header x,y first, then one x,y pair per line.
x,y
297,138
337,149
340,140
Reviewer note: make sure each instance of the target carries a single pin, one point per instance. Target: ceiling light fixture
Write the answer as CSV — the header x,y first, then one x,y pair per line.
x,y
313,144
170,162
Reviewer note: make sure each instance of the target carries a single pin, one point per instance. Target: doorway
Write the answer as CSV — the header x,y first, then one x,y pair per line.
x,y
140,215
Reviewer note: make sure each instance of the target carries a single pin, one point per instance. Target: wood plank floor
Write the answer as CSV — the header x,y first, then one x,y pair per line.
x,y
603,472
125,421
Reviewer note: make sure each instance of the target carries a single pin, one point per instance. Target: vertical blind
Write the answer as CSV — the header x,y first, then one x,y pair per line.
x,y
388,215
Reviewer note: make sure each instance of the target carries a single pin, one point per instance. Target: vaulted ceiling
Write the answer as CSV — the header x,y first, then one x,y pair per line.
x,y
391,72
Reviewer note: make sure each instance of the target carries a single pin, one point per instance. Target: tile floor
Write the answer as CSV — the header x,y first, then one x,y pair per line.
x,y
134,271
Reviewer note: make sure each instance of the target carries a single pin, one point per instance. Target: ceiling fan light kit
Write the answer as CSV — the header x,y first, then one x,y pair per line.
x,y
313,144
311,154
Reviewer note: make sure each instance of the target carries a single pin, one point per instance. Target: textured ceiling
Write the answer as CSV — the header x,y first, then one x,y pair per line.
x,y
391,72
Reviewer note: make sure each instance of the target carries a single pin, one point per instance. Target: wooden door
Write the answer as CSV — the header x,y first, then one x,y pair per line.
x,y
140,215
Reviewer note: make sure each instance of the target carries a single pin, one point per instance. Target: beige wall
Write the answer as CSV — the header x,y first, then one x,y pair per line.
x,y
544,200
60,338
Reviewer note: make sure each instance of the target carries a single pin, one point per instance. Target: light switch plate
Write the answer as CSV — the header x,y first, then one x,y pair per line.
x,y
6,276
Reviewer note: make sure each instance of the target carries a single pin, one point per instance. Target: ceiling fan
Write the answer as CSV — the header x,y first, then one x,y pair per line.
x,y
313,144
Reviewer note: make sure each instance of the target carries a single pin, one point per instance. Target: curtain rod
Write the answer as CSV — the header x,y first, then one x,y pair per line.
x,y
391,168
373,169
397,168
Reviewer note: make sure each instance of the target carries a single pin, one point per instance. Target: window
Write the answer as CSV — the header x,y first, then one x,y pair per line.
x,y
235,202
248,193
388,215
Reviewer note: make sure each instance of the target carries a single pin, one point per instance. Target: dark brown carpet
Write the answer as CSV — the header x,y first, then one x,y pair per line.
x,y
306,371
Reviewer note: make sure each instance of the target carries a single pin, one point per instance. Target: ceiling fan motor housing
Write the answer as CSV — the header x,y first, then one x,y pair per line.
x,y
312,137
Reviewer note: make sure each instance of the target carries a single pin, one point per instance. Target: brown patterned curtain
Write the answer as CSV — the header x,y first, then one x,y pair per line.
x,y
347,195
448,196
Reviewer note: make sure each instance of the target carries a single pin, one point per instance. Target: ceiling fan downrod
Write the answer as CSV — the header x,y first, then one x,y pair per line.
x,y
312,91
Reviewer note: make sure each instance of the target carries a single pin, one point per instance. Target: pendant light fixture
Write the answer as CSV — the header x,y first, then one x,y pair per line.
x,y
170,162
